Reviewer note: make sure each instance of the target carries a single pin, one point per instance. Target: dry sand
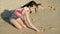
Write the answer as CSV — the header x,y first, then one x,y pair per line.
x,y
47,17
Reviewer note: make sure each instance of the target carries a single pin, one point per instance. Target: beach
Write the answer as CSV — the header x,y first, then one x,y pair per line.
x,y
47,18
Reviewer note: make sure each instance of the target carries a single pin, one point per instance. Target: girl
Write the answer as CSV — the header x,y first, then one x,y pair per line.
x,y
16,16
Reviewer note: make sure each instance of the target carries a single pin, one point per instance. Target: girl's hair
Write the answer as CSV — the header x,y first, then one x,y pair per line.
x,y
31,3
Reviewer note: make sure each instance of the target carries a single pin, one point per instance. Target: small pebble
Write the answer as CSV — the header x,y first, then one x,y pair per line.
x,y
51,7
54,9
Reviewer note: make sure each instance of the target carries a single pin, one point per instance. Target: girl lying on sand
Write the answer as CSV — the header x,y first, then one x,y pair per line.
x,y
16,16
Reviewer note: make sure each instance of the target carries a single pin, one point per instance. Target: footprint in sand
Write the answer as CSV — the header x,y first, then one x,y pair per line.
x,y
51,28
52,8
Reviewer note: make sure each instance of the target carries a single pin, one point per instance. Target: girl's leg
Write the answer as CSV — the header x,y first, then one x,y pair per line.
x,y
16,24
21,22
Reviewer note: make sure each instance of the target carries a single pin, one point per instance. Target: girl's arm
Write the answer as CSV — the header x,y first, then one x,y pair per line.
x,y
27,17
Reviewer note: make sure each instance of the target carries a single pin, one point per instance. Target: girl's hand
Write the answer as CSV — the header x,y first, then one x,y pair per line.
x,y
27,17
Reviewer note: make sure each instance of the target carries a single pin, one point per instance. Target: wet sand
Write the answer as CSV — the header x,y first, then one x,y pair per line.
x,y
47,17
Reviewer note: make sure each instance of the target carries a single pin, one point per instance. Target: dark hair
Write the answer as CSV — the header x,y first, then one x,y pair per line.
x,y
31,3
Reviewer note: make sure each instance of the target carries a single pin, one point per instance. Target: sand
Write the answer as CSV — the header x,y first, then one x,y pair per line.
x,y
46,19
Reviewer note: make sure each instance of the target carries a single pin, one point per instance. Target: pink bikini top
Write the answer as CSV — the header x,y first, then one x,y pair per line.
x,y
19,11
